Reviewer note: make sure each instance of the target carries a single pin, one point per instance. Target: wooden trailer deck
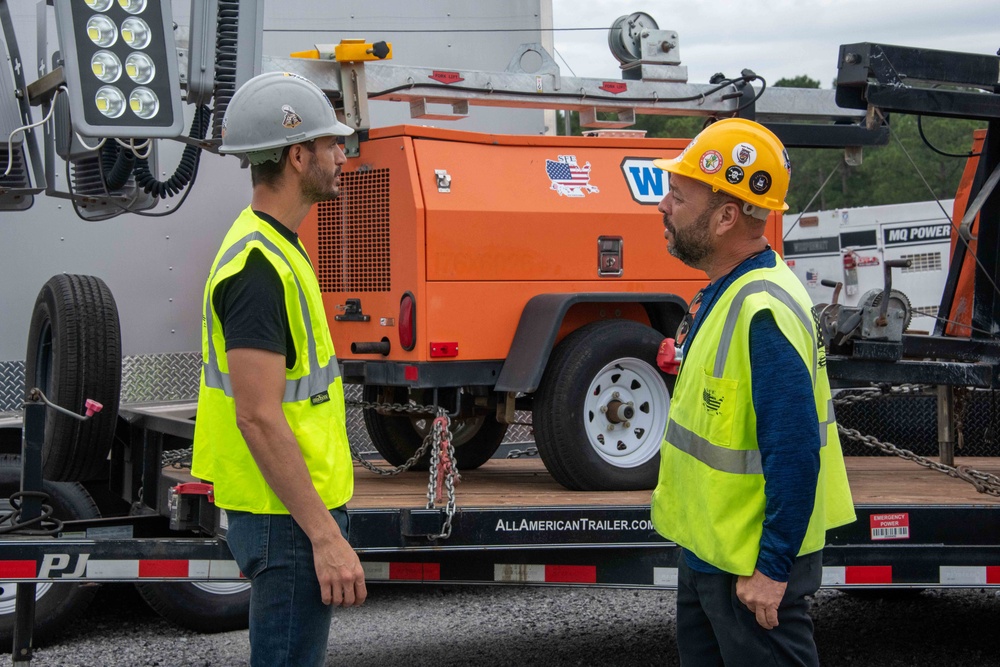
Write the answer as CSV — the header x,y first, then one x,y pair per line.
x,y
524,482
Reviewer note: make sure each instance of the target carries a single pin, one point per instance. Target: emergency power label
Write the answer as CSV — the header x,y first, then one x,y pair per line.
x,y
890,526
917,234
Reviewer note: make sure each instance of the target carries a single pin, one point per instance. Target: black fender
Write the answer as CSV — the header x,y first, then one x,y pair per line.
x,y
543,315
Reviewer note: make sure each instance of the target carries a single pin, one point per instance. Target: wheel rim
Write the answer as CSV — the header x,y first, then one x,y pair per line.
x,y
222,588
462,429
8,591
625,412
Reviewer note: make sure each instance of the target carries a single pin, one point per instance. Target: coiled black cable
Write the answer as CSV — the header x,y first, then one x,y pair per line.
x,y
116,165
46,523
188,163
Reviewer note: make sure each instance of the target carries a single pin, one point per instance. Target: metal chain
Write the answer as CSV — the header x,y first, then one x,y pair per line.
x,y
177,458
518,453
442,470
412,408
984,482
443,473
876,392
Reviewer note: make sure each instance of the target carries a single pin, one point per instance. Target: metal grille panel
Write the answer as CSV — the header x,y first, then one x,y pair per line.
x,y
910,422
925,261
174,377
354,235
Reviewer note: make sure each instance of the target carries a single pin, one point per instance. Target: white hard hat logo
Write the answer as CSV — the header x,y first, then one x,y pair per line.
x,y
291,119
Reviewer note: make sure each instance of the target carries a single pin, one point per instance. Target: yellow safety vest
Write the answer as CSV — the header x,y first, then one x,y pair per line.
x,y
710,494
314,394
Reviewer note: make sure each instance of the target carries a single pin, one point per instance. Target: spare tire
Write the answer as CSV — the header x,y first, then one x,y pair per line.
x,y
74,353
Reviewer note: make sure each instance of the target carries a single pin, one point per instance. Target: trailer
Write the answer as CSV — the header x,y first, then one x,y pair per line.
x,y
849,245
457,307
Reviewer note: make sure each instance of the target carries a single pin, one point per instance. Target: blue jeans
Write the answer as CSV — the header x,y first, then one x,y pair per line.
x,y
289,624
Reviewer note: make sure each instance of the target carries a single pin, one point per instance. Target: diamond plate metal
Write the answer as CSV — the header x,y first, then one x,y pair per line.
x,y
11,385
174,377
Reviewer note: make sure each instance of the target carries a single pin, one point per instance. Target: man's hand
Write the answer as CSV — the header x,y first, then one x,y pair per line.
x,y
761,595
341,577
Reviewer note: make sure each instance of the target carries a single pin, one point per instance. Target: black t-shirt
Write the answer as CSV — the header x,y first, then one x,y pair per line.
x,y
251,303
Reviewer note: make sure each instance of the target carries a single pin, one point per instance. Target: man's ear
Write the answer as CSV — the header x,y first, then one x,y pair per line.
x,y
727,216
296,157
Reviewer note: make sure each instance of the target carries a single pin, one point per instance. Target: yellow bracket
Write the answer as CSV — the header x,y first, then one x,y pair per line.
x,y
355,50
349,50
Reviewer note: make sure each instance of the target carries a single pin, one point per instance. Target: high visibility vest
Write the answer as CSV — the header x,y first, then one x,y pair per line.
x,y
710,494
313,401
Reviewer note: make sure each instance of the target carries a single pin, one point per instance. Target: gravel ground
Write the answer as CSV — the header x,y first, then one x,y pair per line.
x,y
493,626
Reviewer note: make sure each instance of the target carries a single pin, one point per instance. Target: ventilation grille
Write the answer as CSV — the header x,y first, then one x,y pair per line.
x,y
926,261
354,234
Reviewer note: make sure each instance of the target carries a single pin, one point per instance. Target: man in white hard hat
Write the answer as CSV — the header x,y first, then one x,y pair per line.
x,y
270,432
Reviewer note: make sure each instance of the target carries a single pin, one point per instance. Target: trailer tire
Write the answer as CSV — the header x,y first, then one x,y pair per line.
x,y
74,353
207,607
397,436
595,366
56,605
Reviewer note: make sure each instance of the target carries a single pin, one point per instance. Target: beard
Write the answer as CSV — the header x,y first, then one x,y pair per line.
x,y
693,244
319,185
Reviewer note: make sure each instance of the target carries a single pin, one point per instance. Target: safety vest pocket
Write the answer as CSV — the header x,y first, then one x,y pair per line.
x,y
716,411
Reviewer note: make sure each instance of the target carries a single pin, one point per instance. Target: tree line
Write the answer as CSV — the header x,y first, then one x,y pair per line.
x,y
907,169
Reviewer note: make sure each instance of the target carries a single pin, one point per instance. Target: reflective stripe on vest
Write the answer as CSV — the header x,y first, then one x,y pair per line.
x,y
723,459
734,313
319,378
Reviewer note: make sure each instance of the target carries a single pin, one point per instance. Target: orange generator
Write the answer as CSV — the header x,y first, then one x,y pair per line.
x,y
493,273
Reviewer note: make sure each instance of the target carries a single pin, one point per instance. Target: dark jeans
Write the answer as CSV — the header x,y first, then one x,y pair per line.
x,y
714,628
289,624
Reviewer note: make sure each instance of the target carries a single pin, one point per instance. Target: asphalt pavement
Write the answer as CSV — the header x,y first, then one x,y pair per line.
x,y
493,626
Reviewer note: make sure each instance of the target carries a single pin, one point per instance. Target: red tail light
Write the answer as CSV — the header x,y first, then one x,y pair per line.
x,y
407,322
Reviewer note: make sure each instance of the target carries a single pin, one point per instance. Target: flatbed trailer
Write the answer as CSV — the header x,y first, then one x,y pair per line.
x,y
517,526
513,523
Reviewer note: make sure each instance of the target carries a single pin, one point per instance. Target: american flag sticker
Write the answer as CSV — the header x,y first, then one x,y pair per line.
x,y
568,178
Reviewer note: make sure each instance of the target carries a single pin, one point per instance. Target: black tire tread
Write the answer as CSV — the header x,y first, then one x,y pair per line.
x,y
187,606
557,418
396,440
86,358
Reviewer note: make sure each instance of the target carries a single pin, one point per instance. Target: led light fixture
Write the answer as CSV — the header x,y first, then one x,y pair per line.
x,y
101,39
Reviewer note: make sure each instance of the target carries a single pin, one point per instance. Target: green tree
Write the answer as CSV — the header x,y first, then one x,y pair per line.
x,y
904,170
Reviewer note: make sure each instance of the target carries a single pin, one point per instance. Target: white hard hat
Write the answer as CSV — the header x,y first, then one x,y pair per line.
x,y
275,110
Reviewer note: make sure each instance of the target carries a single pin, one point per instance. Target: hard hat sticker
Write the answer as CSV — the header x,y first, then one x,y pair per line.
x,y
710,162
291,119
760,182
734,175
744,154
568,178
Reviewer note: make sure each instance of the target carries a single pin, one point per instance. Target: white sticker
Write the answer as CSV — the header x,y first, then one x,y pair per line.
x,y
744,154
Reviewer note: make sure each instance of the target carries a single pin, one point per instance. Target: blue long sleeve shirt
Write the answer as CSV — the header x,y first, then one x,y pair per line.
x,y
787,431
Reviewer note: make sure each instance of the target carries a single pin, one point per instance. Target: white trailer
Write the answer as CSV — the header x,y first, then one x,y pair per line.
x,y
850,246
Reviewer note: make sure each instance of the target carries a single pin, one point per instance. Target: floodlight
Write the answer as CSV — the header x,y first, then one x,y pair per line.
x,y
99,39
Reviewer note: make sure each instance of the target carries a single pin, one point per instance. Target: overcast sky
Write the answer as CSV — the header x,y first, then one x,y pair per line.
x,y
776,38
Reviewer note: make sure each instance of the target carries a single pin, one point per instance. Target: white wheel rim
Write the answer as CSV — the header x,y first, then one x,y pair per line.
x,y
8,595
463,429
8,590
222,588
631,382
